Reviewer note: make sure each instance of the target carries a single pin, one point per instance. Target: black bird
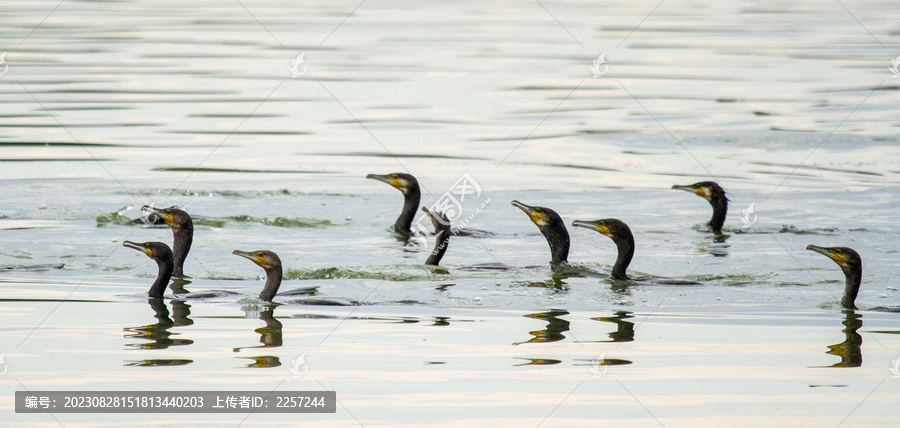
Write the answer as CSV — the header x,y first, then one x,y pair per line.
x,y
443,231
620,233
183,231
850,262
163,256
553,228
408,185
715,195
271,263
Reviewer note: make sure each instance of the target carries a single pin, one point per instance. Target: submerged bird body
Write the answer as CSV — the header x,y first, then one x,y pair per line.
x,y
621,235
160,253
715,195
851,263
409,186
552,227
271,263
442,231
182,230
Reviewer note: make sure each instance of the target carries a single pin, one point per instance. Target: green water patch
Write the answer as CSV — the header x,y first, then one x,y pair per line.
x,y
114,218
406,273
118,218
733,280
295,222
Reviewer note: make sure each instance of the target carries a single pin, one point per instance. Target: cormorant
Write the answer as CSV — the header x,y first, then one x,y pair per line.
x,y
619,232
163,256
183,231
443,231
553,228
850,262
715,195
271,263
408,185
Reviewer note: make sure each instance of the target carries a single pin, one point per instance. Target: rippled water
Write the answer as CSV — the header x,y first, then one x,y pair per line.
x,y
107,106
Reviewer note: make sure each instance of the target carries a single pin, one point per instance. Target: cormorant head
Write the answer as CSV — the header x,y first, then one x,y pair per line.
x,y
172,216
263,258
401,181
552,227
155,250
439,220
705,189
610,227
540,216
847,258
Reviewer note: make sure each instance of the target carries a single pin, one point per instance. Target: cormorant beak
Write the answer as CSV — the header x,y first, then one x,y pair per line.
x,y
387,179
702,192
168,218
438,219
139,247
260,261
593,225
533,214
828,252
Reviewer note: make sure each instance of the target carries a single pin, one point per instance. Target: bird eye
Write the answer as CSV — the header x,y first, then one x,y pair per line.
x,y
837,251
258,254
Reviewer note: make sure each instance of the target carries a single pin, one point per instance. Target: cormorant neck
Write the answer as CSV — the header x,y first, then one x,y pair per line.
x,y
558,238
410,205
625,247
162,278
273,281
184,236
851,289
440,247
719,204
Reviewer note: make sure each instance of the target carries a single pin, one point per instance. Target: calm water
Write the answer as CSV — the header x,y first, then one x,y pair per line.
x,y
107,106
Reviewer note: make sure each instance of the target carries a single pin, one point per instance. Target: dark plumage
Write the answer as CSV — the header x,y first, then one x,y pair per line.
x,y
553,228
271,263
442,231
183,231
408,185
850,262
621,235
163,256
715,195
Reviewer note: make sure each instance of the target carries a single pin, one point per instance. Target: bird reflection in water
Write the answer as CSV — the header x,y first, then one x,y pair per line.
x,y
624,329
555,327
850,350
159,335
270,336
